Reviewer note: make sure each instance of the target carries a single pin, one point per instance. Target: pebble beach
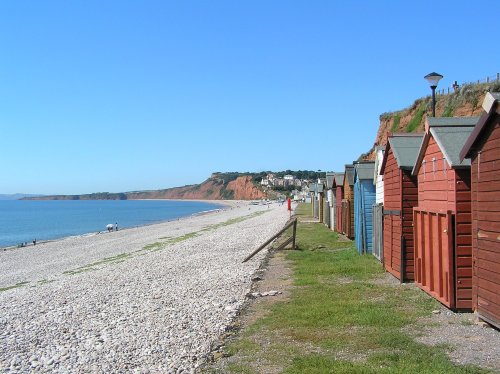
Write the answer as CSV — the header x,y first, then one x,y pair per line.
x,y
150,299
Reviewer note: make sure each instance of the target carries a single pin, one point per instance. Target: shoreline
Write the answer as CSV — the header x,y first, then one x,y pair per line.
x,y
151,299
224,203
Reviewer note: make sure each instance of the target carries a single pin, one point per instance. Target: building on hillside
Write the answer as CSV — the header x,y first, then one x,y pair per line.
x,y
483,148
400,197
378,206
348,202
364,198
442,219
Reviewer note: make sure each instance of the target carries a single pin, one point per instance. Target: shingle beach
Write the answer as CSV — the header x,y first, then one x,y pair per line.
x,y
150,299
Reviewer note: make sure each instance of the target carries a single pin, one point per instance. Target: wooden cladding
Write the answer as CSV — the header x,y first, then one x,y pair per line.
x,y
434,255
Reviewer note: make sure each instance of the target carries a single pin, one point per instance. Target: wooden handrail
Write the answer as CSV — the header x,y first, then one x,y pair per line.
x,y
292,239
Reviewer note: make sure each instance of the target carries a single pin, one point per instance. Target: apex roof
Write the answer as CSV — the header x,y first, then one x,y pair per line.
x,y
405,148
339,179
490,105
330,180
349,173
364,170
450,134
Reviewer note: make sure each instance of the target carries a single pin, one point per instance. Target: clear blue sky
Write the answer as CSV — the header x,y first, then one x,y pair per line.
x,y
131,95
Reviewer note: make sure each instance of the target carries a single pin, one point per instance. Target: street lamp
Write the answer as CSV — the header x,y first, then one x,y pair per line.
x,y
433,79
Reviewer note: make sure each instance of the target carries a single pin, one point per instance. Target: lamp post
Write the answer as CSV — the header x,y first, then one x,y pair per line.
x,y
433,79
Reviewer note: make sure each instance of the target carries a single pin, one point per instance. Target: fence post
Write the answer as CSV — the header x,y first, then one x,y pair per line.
x,y
294,232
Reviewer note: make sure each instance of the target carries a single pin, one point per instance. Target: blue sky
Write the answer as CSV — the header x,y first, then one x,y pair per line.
x,y
133,95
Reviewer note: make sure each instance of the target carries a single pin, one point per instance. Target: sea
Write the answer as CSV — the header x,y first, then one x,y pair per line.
x,y
23,221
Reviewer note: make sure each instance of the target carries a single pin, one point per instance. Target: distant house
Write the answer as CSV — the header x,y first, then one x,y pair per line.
x,y
442,219
364,198
400,197
483,148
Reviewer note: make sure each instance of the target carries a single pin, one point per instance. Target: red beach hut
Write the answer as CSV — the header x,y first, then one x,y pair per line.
x,y
400,197
442,220
483,147
348,202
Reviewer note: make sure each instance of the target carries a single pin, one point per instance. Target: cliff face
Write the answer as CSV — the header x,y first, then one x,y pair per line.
x,y
217,187
243,188
463,103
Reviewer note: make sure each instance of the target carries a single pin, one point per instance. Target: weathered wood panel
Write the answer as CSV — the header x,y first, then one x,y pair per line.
x,y
435,271
485,186
400,195
339,195
378,231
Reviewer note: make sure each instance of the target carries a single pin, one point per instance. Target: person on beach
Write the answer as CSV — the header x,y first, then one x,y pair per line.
x,y
116,226
34,242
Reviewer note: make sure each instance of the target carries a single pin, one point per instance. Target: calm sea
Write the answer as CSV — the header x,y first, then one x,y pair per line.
x,y
25,220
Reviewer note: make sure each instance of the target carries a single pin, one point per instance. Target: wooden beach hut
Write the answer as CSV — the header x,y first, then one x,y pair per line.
x,y
339,195
378,206
348,202
483,148
320,192
329,200
313,187
400,197
442,219
364,198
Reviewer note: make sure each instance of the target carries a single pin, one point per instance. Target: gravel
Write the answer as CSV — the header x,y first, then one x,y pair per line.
x,y
143,311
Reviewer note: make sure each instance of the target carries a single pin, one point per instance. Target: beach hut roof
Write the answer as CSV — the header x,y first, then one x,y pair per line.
x,y
450,134
405,148
364,169
490,105
329,180
339,179
313,187
349,172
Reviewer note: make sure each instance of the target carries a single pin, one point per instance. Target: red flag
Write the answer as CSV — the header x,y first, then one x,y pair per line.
x,y
289,204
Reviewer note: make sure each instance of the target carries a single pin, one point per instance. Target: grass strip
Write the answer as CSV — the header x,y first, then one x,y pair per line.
x,y
17,285
343,316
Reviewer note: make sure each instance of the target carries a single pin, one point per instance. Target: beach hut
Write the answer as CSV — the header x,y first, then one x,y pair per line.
x,y
329,200
313,189
378,206
348,202
364,198
483,148
320,191
442,219
339,195
400,197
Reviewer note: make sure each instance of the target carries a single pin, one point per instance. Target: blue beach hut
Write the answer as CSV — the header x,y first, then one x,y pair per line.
x,y
364,198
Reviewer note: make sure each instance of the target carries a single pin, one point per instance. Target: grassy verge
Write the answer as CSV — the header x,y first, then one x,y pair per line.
x,y
17,285
344,316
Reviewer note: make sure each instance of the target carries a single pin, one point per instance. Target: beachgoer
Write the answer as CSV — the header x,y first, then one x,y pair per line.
x,y
116,226
34,242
